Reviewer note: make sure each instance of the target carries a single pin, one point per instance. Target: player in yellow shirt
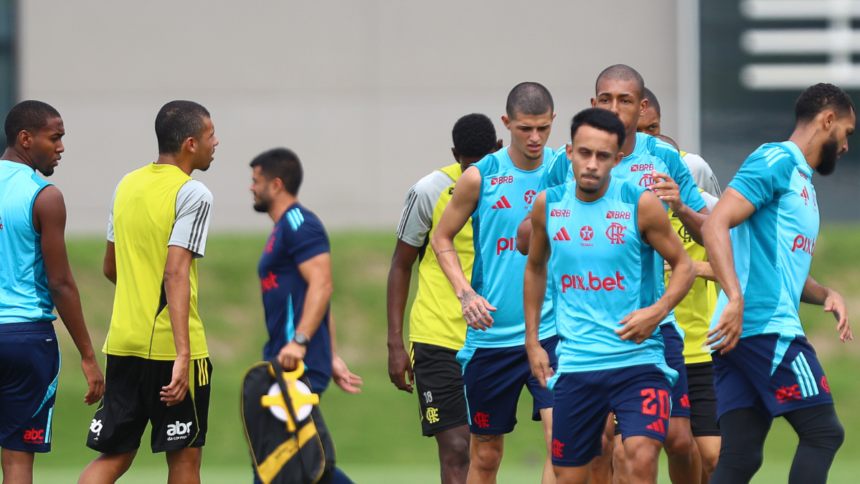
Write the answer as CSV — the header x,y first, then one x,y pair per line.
x,y
158,366
437,329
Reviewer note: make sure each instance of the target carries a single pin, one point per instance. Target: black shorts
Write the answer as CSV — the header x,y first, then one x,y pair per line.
x,y
439,381
132,399
703,400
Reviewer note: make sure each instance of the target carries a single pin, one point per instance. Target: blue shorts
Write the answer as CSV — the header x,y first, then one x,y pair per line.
x,y
494,379
675,359
29,370
772,374
638,394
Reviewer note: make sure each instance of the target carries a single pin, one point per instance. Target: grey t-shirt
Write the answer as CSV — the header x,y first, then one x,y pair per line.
x,y
704,177
193,212
417,217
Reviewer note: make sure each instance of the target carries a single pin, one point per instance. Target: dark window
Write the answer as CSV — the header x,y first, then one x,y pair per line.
x,y
8,59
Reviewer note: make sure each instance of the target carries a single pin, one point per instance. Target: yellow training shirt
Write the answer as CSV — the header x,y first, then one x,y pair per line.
x,y
154,207
437,316
693,313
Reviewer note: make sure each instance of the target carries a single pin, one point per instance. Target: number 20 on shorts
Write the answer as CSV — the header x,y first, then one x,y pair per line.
x,y
655,400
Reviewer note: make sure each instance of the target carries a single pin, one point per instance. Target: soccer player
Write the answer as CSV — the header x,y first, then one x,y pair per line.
x,y
650,163
594,239
437,329
158,367
295,274
34,278
496,193
760,238
694,312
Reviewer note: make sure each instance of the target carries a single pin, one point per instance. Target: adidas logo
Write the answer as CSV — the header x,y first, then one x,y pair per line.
x,y
657,427
502,203
562,235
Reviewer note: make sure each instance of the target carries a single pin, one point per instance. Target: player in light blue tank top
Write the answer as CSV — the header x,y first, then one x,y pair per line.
x,y
760,241
497,192
597,236
507,194
23,281
34,275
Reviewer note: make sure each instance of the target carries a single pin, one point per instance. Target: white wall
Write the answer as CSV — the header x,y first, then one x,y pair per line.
x,y
366,92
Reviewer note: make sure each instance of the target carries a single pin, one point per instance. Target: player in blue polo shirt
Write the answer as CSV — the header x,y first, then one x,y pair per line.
x,y
496,193
595,239
760,240
295,277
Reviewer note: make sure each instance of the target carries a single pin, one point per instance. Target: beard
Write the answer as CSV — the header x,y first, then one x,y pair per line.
x,y
262,207
829,155
47,171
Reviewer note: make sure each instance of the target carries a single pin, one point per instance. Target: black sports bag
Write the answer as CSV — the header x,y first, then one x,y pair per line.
x,y
289,440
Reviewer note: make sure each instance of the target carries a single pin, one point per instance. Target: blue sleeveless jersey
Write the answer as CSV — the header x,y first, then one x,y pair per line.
x,y
649,154
773,247
24,295
507,194
602,271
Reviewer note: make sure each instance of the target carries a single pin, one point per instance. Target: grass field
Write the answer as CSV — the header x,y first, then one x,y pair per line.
x,y
377,432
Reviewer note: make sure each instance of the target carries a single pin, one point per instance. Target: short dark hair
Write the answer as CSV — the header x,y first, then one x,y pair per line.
x,y
652,100
601,119
176,122
29,116
819,97
281,163
530,99
474,135
622,72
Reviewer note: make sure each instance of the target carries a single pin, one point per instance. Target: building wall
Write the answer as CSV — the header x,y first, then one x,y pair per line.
x,y
366,92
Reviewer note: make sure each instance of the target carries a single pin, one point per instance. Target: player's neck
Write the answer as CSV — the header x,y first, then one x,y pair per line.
x,y
629,143
280,205
179,162
520,161
12,154
809,139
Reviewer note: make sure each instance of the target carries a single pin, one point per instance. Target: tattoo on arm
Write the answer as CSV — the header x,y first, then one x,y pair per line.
x,y
466,297
443,251
488,438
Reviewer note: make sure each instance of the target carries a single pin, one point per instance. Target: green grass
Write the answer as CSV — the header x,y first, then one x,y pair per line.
x,y
378,432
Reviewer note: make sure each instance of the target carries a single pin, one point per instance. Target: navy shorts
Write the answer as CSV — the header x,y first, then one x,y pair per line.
x,y
770,374
638,394
29,371
675,359
494,379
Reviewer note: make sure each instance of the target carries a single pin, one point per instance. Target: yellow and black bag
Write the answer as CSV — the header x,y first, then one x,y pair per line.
x,y
289,441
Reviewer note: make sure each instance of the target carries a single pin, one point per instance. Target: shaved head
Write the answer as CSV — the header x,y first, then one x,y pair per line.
x,y
652,101
530,99
622,72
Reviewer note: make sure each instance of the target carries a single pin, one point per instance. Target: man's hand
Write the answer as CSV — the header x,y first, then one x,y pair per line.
x,y
291,355
476,310
175,392
729,329
836,305
95,380
667,190
345,379
640,324
539,361
398,367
